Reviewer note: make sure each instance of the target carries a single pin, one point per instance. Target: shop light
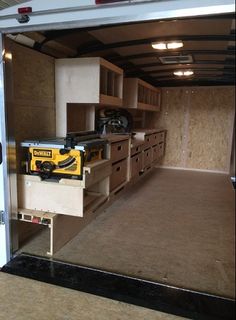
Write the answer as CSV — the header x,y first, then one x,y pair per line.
x,y
159,45
183,73
175,45
167,45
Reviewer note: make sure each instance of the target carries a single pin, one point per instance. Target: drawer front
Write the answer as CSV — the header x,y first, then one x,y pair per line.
x,y
154,139
147,158
160,136
161,149
136,149
136,165
148,141
119,174
155,153
119,150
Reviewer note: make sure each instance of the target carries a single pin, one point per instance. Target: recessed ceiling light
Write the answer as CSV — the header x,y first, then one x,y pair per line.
x,y
175,45
178,73
188,73
183,73
167,45
159,45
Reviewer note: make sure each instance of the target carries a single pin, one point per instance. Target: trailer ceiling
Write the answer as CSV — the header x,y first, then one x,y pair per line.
x,y
208,41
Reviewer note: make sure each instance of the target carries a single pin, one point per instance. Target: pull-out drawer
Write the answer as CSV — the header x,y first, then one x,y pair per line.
x,y
161,149
118,175
147,158
155,153
147,141
119,150
136,165
136,149
154,139
161,136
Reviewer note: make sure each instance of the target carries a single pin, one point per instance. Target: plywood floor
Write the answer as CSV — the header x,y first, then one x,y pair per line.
x,y
175,227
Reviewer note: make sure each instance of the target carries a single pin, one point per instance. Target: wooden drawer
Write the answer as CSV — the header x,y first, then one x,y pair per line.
x,y
136,149
147,141
136,165
118,175
147,158
161,149
119,150
160,136
155,153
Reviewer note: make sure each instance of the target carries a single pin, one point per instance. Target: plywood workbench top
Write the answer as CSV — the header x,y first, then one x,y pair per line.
x,y
149,131
115,137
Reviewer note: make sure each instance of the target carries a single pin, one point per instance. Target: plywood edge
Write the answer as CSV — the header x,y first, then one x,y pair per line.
x,y
110,66
110,101
149,86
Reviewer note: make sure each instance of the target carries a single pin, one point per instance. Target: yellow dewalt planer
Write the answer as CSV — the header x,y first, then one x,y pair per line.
x,y
64,157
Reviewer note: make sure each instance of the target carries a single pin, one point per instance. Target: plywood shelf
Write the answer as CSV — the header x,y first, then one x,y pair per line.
x,y
85,82
139,94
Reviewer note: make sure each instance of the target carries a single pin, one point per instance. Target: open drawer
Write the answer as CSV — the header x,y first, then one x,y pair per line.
x,y
66,196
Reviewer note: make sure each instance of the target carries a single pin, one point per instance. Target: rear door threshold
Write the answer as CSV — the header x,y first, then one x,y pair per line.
x,y
148,294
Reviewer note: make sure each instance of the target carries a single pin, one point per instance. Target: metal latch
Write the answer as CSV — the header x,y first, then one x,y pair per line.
x,y
2,217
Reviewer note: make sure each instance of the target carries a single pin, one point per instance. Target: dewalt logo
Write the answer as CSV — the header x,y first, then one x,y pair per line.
x,y
42,153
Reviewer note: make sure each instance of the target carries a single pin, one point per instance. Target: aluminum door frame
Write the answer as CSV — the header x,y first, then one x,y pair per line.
x,y
4,181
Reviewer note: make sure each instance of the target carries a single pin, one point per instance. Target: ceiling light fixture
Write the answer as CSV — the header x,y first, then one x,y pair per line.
x,y
159,45
175,45
183,73
167,45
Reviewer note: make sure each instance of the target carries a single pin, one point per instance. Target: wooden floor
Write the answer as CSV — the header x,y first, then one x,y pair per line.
x,y
175,227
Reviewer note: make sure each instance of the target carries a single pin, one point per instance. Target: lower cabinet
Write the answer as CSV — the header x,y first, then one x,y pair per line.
x,y
119,155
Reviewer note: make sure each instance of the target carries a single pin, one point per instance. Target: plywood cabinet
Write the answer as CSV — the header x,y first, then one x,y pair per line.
x,y
141,95
119,154
66,196
85,81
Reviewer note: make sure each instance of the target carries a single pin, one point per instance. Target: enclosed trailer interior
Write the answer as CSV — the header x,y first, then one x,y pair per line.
x,y
171,221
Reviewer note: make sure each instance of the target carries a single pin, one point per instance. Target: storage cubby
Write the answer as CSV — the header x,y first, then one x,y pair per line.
x,y
141,95
86,82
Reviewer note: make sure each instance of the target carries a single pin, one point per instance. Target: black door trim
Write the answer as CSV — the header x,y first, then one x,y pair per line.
x,y
152,295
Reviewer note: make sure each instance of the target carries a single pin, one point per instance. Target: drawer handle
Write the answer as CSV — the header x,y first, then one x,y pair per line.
x,y
118,169
137,149
137,160
119,148
147,139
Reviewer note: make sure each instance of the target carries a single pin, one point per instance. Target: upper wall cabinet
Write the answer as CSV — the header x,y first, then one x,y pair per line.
x,y
82,81
89,80
141,95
